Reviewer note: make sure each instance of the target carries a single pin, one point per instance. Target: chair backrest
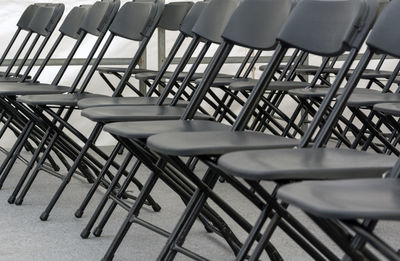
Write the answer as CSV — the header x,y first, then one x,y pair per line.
x,y
191,18
73,21
385,35
173,15
214,19
97,16
159,6
269,14
27,16
46,18
132,19
326,28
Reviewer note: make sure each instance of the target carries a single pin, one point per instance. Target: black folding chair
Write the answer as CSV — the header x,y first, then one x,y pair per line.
x,y
208,146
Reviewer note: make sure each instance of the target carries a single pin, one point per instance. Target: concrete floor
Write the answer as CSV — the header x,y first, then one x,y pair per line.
x,y
24,237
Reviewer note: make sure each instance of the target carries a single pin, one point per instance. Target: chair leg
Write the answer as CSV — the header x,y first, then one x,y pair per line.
x,y
86,231
89,195
188,218
24,176
147,188
266,236
44,216
99,229
35,172
17,147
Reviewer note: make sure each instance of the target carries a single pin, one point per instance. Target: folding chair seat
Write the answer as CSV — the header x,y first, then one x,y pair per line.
x,y
346,199
312,69
209,142
305,164
358,204
137,113
370,99
38,19
321,92
84,103
248,85
70,99
389,108
152,75
111,70
145,129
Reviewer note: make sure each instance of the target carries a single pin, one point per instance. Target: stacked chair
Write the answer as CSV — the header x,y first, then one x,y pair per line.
x,y
184,119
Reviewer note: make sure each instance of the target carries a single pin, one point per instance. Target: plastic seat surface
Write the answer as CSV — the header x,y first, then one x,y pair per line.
x,y
307,163
346,199
214,142
167,75
145,129
9,79
123,101
248,85
219,81
281,67
136,113
370,99
311,69
29,88
121,70
65,99
388,108
321,92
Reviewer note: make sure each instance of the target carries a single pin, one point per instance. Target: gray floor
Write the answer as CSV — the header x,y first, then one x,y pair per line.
x,y
24,237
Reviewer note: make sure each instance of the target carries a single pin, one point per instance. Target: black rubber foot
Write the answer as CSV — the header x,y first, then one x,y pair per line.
x,y
44,216
107,258
19,201
97,232
79,213
11,200
85,233
209,230
156,207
